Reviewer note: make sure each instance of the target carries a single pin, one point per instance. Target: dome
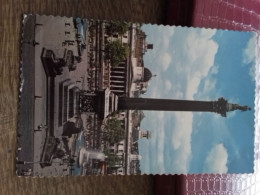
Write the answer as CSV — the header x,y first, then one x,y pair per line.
x,y
147,75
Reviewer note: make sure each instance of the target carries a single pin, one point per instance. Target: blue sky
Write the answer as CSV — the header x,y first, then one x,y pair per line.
x,y
199,64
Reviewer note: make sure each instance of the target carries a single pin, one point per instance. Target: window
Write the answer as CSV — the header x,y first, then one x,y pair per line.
x,y
115,35
60,103
65,104
71,103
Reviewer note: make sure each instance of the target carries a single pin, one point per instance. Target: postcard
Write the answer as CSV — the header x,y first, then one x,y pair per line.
x,y
114,97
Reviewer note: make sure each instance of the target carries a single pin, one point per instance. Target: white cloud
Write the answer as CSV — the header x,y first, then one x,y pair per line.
x,y
156,83
162,58
158,125
165,35
166,60
181,140
200,46
249,51
214,69
178,92
198,63
200,51
192,86
168,85
249,56
178,95
192,61
252,73
158,138
209,85
217,159
207,33
160,145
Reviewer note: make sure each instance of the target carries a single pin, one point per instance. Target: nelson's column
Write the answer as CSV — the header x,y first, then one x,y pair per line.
x,y
220,106
106,102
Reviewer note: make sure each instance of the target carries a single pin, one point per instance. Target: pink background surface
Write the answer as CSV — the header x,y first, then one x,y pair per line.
x,y
224,14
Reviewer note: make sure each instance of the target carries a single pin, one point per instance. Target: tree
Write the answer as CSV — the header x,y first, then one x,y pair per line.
x,y
138,168
117,27
113,132
115,52
112,158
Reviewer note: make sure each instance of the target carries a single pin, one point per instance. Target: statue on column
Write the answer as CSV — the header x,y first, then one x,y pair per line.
x,y
222,106
231,107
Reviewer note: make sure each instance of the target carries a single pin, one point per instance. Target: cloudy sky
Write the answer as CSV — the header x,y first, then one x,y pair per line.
x,y
199,64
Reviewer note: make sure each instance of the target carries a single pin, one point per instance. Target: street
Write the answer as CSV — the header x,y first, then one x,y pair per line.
x,y
51,33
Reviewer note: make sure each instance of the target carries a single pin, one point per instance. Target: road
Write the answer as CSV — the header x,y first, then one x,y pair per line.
x,y
50,33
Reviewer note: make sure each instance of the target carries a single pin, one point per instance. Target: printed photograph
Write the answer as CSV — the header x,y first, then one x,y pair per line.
x,y
113,97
